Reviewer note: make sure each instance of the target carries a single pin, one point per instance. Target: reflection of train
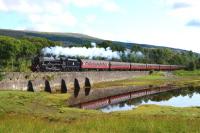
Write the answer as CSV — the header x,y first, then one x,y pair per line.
x,y
123,97
44,64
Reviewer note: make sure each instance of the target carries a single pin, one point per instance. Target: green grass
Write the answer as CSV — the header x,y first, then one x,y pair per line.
x,y
139,81
48,113
148,118
180,78
45,105
187,73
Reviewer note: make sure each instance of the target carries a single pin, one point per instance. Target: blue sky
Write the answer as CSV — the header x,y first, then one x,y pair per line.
x,y
172,23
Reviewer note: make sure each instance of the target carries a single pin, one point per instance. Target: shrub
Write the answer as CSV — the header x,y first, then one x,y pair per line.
x,y
191,66
1,76
151,72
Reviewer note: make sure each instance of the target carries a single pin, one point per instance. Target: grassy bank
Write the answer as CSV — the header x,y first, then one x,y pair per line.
x,y
49,113
45,105
42,112
179,78
139,81
128,123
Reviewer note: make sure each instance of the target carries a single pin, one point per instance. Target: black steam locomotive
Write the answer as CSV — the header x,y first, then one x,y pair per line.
x,y
45,64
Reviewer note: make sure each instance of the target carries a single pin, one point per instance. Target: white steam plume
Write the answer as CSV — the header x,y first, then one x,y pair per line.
x,y
93,44
81,52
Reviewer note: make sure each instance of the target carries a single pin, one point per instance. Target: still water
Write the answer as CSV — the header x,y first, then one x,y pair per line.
x,y
185,97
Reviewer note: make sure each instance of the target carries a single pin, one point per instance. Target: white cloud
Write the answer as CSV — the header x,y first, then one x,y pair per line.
x,y
2,6
86,3
54,14
47,15
185,13
90,18
111,6
20,6
52,22
107,5
184,32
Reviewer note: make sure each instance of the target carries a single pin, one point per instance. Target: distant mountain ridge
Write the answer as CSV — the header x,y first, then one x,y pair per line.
x,y
69,38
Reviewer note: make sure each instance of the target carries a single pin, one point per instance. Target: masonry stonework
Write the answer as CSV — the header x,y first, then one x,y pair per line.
x,y
20,81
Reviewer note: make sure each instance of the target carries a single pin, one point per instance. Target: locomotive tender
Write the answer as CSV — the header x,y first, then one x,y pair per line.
x,y
64,64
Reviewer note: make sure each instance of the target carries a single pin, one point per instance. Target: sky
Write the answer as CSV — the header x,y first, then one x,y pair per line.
x,y
171,23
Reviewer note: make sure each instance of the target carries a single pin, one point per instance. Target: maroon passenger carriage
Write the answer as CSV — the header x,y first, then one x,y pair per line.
x,y
111,65
175,67
119,66
165,67
138,66
94,64
153,67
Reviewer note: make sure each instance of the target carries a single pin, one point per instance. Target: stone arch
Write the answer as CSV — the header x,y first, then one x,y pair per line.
x,y
63,86
30,86
87,86
47,86
76,87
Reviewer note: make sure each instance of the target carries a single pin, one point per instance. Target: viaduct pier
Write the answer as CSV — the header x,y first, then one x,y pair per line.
x,y
39,81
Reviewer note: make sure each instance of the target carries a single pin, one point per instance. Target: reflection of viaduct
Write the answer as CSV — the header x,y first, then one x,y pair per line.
x,y
63,82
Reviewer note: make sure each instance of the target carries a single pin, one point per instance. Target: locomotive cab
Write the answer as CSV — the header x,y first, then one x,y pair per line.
x,y
72,64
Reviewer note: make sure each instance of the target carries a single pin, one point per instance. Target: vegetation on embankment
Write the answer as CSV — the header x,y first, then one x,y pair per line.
x,y
17,53
178,78
1,76
43,112
187,73
51,107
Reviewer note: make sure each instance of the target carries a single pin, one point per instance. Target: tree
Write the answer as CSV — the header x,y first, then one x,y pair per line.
x,y
136,48
16,54
191,66
87,45
9,48
198,63
113,46
1,76
104,44
117,47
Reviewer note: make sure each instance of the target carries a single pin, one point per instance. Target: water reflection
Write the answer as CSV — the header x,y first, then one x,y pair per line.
x,y
184,97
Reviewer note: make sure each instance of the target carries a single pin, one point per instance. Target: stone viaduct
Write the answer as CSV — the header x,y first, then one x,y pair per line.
x,y
39,81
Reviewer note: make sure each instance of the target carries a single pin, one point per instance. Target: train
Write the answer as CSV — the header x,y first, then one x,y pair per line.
x,y
65,64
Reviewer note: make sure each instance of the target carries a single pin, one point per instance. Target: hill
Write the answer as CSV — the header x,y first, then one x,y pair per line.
x,y
68,38
18,48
